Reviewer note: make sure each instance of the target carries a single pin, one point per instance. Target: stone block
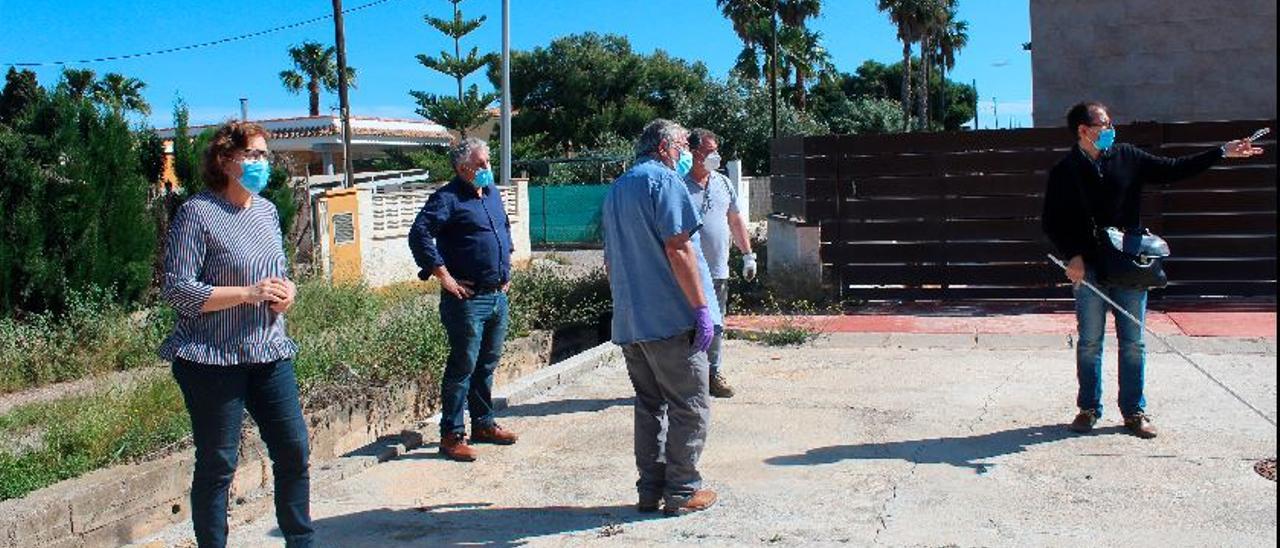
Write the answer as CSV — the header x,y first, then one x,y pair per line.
x,y
139,524
38,520
125,490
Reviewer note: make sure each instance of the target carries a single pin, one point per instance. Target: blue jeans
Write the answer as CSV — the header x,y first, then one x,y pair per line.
x,y
476,328
1091,318
217,397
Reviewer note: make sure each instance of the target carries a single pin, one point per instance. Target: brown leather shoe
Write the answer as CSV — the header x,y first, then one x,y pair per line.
x,y
701,500
1084,421
720,388
454,447
494,434
1140,425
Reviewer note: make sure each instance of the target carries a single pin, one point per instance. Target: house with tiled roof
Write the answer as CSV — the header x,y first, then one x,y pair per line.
x,y
314,143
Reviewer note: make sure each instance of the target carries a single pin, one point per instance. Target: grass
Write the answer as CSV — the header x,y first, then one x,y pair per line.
x,y
348,335
42,349
72,436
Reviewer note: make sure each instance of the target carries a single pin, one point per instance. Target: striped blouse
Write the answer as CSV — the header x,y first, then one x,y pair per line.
x,y
214,243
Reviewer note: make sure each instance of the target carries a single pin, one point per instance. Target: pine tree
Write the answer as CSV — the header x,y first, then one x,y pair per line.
x,y
470,107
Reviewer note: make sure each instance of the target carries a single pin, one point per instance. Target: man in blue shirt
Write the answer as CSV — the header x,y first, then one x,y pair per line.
x,y
661,291
462,237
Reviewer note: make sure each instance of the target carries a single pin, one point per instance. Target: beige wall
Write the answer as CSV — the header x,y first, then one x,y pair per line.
x,y
380,256
1161,60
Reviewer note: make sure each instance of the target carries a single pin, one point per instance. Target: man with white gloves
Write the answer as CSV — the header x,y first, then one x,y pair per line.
x,y
717,202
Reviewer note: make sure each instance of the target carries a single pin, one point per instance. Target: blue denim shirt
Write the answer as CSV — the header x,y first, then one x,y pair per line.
x,y
646,206
470,235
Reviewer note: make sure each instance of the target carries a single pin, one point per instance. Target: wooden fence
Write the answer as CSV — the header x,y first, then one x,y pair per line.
x,y
957,215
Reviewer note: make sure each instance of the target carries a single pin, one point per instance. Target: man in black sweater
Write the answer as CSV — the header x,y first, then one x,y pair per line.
x,y
1110,177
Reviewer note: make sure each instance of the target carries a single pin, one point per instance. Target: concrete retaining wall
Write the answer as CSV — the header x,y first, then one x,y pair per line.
x,y
126,503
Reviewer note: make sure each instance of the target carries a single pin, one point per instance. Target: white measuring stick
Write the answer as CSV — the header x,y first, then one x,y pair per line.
x,y
1141,324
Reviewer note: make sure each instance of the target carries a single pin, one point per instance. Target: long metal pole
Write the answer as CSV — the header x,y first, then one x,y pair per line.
x,y
506,92
340,42
773,68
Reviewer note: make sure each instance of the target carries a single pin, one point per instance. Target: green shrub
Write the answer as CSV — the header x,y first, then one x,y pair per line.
x,y
73,206
542,298
95,335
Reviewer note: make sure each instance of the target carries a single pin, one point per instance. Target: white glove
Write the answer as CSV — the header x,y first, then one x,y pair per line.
x,y
749,266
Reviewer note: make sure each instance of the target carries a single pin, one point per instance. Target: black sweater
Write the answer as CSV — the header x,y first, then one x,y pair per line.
x,y
1113,187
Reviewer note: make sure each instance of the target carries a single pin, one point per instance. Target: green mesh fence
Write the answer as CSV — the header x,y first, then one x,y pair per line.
x,y
566,214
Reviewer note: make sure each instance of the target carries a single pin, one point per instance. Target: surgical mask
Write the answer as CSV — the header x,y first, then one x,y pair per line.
x,y
1106,139
712,162
685,164
483,178
254,175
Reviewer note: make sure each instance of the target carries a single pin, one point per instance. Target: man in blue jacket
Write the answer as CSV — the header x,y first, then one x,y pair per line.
x,y
462,237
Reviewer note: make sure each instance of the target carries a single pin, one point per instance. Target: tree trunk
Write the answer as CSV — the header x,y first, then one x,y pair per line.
x,y
906,85
313,89
801,95
942,96
922,105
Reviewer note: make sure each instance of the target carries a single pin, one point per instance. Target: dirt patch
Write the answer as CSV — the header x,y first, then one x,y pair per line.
x,y
1266,468
78,387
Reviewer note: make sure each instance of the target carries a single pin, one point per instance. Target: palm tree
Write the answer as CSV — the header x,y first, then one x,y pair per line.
x,y
78,83
121,94
804,55
953,38
752,22
905,15
805,51
317,67
800,50
932,19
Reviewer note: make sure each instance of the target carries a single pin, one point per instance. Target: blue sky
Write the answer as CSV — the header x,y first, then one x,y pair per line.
x,y
383,40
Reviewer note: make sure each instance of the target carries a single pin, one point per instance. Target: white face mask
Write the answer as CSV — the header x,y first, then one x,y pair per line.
x,y
712,162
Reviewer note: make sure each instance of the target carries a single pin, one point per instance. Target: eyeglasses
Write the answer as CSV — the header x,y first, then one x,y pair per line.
x,y
254,154
1108,125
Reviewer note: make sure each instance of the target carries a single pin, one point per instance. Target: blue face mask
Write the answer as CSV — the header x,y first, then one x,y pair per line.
x,y
1106,139
685,164
255,175
483,178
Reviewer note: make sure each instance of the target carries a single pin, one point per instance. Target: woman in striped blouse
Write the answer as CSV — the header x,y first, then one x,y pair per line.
x,y
226,275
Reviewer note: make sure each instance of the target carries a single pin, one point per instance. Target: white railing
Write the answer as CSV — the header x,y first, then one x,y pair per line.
x,y
394,211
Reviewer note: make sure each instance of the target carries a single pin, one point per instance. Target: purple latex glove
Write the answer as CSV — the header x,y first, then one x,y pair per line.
x,y
704,330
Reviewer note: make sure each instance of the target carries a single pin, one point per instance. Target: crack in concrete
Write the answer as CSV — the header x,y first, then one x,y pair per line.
x,y
986,405
915,455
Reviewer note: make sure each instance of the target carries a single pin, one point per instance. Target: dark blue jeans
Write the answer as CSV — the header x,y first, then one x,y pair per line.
x,y
217,397
1091,318
476,328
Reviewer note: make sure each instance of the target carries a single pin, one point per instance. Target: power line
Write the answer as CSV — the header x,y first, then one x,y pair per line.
x,y
196,46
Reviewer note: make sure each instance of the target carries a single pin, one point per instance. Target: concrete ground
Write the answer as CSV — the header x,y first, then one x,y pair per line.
x,y
857,439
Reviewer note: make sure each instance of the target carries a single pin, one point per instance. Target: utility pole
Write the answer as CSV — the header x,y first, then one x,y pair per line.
x,y
773,68
506,92
995,112
340,42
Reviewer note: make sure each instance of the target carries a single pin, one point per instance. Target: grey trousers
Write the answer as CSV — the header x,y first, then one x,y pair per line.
x,y
672,413
722,299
